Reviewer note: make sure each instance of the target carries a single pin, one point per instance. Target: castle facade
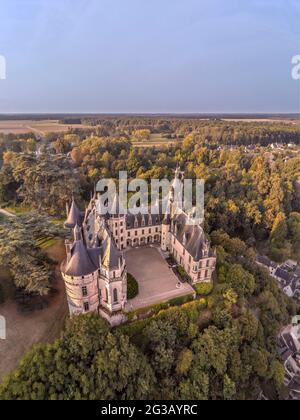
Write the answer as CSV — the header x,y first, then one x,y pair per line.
x,y
95,271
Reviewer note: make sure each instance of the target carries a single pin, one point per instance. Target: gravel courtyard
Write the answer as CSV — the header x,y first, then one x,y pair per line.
x,y
157,282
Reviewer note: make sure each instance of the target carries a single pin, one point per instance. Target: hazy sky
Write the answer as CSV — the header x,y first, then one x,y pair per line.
x,y
149,55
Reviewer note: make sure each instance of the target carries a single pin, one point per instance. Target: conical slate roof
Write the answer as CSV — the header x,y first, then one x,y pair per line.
x,y
110,253
74,217
80,263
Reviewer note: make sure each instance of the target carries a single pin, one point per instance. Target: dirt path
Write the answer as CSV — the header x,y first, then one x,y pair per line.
x,y
6,213
23,331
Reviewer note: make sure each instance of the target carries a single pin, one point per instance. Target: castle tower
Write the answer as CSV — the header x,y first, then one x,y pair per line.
x,y
80,274
94,270
113,278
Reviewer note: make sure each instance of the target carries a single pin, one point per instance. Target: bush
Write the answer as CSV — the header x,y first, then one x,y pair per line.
x,y
203,288
132,287
184,276
2,295
181,300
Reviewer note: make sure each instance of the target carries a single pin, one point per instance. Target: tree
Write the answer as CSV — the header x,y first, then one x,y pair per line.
x,y
196,387
278,374
184,362
240,280
229,388
88,362
143,134
19,251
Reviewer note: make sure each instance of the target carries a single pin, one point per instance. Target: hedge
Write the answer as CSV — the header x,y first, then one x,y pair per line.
x,y
132,287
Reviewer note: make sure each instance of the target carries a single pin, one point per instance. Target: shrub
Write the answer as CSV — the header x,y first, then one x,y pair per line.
x,y
181,300
184,276
2,295
132,287
203,288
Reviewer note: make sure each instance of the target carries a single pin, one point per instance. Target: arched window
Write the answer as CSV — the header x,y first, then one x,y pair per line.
x,y
106,294
115,296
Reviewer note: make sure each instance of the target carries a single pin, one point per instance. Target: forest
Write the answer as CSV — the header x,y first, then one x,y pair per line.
x,y
222,346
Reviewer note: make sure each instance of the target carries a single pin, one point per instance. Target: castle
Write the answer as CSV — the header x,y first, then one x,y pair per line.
x,y
94,270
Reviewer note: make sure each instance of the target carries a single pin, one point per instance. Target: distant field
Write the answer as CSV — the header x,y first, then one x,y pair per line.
x,y
155,140
38,127
264,120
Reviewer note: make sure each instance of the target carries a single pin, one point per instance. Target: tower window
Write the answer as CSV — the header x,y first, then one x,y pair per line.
x,y
115,296
86,306
84,291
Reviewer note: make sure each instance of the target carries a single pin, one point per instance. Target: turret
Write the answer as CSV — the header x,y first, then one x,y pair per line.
x,y
74,217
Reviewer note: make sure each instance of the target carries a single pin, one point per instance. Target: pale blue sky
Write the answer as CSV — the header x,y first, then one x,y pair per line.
x,y
149,55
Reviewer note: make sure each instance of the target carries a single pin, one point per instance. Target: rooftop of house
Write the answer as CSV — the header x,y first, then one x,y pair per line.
x,y
283,275
263,260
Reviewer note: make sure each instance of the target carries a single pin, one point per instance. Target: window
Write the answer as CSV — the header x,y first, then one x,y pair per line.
x,y
128,234
143,231
121,223
84,291
136,233
115,293
149,230
121,231
206,274
156,230
116,224
86,306
207,263
190,259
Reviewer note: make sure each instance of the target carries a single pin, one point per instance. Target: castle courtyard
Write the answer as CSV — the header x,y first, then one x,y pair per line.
x,y
157,281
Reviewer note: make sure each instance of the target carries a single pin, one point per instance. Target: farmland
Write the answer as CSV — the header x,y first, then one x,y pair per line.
x,y
40,127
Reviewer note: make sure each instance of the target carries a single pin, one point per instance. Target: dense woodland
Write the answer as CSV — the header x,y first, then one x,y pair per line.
x,y
222,346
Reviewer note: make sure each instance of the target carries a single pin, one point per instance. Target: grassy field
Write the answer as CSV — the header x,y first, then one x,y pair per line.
x,y
37,127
